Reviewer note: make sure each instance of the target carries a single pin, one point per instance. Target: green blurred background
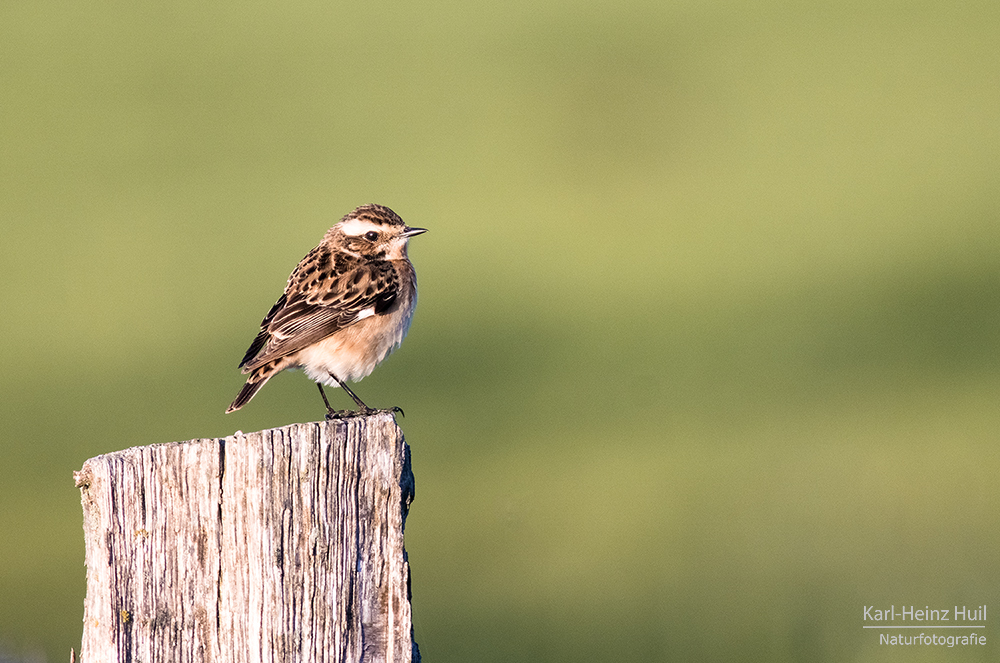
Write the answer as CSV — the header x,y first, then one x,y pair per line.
x,y
706,357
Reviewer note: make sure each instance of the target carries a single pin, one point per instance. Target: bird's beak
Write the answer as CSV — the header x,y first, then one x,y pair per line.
x,y
412,232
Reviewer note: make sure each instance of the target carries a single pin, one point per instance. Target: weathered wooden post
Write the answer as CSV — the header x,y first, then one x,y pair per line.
x,y
278,546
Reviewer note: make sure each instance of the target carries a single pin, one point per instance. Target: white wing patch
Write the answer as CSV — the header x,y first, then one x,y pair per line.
x,y
365,313
358,227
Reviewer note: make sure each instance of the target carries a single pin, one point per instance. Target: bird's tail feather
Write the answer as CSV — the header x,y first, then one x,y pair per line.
x,y
258,378
252,386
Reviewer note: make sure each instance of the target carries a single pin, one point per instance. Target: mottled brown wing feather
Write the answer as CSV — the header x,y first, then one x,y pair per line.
x,y
311,310
263,335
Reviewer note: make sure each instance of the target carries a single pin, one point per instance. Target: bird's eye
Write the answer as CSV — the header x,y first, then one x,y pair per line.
x,y
371,235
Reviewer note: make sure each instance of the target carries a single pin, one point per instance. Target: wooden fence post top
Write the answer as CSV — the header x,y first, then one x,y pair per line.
x,y
275,546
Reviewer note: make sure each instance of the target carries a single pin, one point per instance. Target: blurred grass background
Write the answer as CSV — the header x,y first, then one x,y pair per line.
x,y
706,357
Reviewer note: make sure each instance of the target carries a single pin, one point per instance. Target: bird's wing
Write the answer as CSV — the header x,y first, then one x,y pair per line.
x,y
320,305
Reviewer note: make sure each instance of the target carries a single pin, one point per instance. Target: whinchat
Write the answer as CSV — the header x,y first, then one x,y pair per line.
x,y
346,306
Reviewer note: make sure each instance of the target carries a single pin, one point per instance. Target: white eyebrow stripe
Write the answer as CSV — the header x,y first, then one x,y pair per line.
x,y
358,227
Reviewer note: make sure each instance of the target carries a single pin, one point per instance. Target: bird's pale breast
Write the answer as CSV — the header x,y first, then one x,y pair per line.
x,y
353,352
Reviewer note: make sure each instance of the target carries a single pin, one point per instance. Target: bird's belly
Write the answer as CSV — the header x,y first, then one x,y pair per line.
x,y
354,352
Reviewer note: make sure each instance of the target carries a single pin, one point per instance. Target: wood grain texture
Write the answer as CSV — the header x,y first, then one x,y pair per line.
x,y
277,546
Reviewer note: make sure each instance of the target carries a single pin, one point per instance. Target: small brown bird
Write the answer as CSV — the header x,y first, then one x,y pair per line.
x,y
345,308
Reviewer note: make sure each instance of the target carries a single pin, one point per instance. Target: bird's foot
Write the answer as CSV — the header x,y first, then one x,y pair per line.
x,y
332,415
361,412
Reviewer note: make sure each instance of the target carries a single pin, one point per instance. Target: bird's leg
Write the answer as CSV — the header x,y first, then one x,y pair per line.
x,y
361,404
362,408
330,412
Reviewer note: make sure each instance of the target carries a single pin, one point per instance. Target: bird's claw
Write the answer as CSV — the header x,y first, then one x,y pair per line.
x,y
332,415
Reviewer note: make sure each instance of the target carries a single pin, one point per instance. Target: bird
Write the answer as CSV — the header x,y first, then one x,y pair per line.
x,y
346,306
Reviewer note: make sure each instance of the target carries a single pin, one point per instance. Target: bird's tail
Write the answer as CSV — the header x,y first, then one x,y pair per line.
x,y
246,393
258,378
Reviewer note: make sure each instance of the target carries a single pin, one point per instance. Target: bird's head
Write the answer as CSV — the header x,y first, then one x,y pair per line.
x,y
372,232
